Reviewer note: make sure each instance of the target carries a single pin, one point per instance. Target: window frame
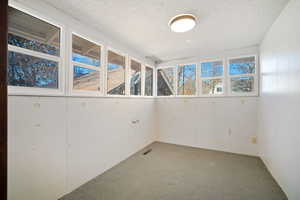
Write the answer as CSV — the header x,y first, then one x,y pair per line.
x,y
108,48
254,75
34,91
174,80
196,80
223,78
130,58
153,81
100,69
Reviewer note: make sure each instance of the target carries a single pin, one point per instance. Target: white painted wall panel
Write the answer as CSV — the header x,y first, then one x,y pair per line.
x,y
101,134
36,148
57,144
279,105
226,124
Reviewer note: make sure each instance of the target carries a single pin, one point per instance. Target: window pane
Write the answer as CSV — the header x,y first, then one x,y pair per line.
x,y
242,84
212,86
186,80
28,32
135,80
29,71
149,82
165,82
212,69
85,51
242,66
86,79
116,74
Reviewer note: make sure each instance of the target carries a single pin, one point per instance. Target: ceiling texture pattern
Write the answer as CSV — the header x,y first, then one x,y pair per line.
x,y
143,24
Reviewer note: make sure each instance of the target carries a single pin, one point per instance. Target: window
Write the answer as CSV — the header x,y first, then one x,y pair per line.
x,y
85,52
149,81
212,86
116,69
135,78
86,62
86,79
186,82
212,78
165,81
30,71
34,52
242,84
242,74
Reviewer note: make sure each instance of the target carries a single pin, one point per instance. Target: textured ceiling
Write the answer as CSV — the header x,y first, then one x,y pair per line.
x,y
143,24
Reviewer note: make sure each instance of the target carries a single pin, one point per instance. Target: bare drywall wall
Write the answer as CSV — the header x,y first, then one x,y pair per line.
x,y
58,143
279,105
225,124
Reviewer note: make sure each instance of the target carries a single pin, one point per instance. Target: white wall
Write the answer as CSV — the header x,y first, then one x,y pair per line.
x,y
225,124
101,133
279,107
58,143
36,148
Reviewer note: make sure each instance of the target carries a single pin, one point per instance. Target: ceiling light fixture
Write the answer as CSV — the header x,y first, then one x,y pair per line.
x,y
182,23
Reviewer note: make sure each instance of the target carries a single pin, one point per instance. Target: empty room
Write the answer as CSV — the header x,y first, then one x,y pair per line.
x,y
150,99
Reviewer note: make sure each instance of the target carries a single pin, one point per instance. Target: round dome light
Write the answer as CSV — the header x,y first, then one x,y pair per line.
x,y
182,23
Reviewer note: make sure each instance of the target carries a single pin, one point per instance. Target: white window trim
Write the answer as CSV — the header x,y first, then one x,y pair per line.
x,y
126,72
255,75
100,69
214,77
174,81
34,91
153,82
196,80
143,79
129,76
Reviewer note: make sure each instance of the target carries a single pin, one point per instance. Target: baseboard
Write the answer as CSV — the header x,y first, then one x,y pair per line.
x,y
206,148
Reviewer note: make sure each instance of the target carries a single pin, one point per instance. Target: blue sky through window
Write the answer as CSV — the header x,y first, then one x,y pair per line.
x,y
211,69
80,71
113,66
242,66
85,60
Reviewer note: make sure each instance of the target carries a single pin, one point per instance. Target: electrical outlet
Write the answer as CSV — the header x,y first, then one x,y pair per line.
x,y
254,140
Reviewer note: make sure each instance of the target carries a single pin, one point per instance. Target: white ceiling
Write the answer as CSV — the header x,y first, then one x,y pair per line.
x,y
143,24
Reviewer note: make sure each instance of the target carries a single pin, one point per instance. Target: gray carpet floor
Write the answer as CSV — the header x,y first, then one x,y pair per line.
x,y
173,172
